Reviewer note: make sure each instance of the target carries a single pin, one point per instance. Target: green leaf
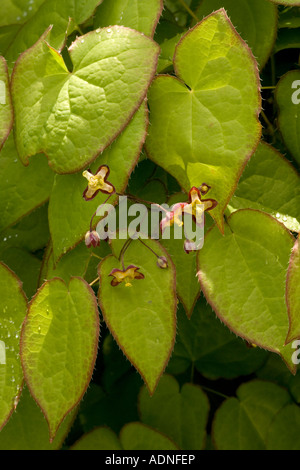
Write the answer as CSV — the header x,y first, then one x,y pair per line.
x,y
243,423
137,436
288,100
6,110
27,429
289,18
204,122
64,16
242,275
165,60
287,39
54,108
141,318
142,15
204,342
18,11
133,436
180,414
284,433
80,262
98,439
293,294
275,371
271,184
31,233
13,306
187,285
25,265
59,346
69,217
254,20
22,188
291,3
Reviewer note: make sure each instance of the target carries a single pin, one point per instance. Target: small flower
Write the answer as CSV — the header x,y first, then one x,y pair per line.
x,y
97,182
92,239
189,246
173,217
162,262
204,188
196,207
126,275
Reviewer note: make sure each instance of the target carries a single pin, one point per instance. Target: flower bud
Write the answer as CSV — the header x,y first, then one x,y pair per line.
x,y
92,239
162,262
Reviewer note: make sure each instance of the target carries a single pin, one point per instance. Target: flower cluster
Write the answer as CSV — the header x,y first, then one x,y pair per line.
x,y
195,207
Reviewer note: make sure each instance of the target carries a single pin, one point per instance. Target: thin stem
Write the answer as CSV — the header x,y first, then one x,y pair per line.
x,y
96,256
148,247
270,127
268,87
142,201
189,10
122,253
94,281
214,391
79,30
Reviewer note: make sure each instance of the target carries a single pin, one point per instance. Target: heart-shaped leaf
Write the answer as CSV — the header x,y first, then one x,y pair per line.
x,y
30,19
22,188
72,117
59,345
255,21
142,318
285,430
204,343
142,15
69,217
242,275
293,294
27,429
292,3
6,110
204,122
288,100
133,436
13,306
271,184
179,414
243,423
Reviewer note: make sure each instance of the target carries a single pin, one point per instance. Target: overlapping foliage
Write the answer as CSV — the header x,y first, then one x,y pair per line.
x,y
139,343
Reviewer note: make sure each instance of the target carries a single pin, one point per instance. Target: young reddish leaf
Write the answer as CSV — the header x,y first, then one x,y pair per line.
x,y
54,108
204,122
142,318
142,15
59,345
242,275
288,100
293,294
13,306
6,109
